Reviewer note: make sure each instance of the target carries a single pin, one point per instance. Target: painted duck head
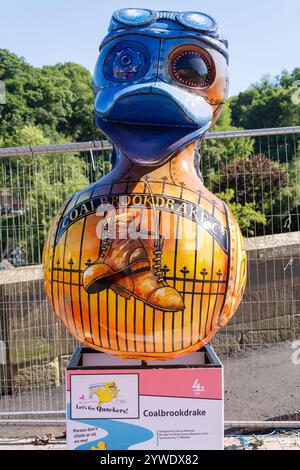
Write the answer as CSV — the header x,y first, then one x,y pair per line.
x,y
160,81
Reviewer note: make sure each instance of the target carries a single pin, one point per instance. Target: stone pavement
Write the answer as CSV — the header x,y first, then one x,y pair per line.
x,y
280,441
27,444
289,440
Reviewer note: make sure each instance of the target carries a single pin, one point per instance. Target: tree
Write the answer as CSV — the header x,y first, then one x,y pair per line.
x,y
216,151
39,186
256,189
246,214
272,102
28,135
43,105
81,122
57,99
53,180
268,103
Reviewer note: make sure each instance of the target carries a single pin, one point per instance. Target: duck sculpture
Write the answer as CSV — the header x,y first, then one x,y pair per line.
x,y
147,263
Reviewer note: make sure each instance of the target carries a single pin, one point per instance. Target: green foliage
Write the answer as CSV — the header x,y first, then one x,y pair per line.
x,y
294,170
268,103
58,99
215,151
41,184
272,102
246,214
56,178
43,105
256,188
262,194
28,135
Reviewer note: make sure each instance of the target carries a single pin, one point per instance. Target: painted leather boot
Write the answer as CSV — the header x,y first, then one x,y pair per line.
x,y
119,257
151,287
124,266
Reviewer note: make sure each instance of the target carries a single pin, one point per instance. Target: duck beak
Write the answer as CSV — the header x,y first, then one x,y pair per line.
x,y
151,121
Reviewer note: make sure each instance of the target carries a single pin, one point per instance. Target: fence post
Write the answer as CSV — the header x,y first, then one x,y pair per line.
x,y
5,369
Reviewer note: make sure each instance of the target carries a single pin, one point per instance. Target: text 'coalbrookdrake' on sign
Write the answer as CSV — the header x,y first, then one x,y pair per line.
x,y
102,205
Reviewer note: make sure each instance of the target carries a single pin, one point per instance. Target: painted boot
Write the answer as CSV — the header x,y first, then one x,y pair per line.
x,y
118,258
150,286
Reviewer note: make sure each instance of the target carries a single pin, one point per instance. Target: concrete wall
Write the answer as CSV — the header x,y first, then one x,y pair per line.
x,y
37,346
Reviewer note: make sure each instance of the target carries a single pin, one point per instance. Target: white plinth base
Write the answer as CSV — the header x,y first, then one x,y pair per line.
x,y
114,404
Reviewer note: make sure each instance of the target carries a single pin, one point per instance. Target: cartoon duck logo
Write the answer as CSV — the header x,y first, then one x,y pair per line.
x,y
100,446
107,393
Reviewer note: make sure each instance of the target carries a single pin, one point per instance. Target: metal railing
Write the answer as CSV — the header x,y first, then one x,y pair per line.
x,y
102,145
256,172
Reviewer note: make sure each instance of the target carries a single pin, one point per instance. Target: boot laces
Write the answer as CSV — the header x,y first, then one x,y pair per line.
x,y
105,243
104,246
157,245
158,262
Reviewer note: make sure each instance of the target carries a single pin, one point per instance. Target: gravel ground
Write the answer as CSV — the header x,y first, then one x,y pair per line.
x,y
281,441
261,384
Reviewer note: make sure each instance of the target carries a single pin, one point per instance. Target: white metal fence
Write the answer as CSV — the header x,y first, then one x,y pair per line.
x,y
256,172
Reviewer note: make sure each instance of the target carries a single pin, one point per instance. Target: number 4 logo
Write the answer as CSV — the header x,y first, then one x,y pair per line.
x,y
197,387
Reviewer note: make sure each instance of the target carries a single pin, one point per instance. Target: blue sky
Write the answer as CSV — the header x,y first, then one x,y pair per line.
x,y
263,34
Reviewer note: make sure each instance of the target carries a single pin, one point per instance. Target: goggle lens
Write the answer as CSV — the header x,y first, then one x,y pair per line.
x,y
134,16
190,19
197,21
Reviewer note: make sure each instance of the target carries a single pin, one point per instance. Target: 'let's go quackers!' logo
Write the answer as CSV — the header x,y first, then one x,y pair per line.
x,y
107,393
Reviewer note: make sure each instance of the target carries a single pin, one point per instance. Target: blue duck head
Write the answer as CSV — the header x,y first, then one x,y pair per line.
x,y
160,81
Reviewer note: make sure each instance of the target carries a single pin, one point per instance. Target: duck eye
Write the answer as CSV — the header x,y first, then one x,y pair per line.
x,y
126,61
193,69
